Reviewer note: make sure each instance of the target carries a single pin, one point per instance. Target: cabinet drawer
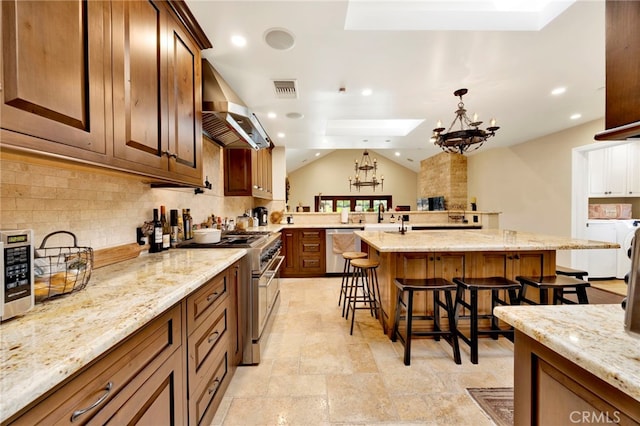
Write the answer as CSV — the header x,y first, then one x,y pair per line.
x,y
209,334
211,384
205,300
133,360
311,235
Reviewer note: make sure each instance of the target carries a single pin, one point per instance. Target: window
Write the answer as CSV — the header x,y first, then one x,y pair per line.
x,y
369,203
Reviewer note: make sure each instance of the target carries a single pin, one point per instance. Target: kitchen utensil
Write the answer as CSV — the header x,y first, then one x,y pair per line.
x,y
206,235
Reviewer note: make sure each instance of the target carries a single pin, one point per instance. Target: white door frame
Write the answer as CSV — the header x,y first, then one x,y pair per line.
x,y
580,195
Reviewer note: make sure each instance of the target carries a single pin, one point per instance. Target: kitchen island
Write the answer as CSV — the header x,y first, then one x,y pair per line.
x,y
463,253
53,342
574,364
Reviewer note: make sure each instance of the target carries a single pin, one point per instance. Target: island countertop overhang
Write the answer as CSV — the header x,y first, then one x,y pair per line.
x,y
473,240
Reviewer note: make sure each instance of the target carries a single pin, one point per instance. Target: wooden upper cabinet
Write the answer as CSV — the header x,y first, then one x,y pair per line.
x,y
54,75
185,103
622,116
139,67
112,83
157,96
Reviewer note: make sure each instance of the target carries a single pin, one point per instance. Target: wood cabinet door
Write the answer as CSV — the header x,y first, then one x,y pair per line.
x,y
139,94
54,71
633,170
159,401
289,248
622,70
184,97
237,172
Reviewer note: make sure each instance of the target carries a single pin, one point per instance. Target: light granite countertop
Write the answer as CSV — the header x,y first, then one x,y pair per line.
x,y
58,337
464,240
591,336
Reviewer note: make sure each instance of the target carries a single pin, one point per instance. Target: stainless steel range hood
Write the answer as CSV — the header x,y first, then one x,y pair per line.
x,y
225,118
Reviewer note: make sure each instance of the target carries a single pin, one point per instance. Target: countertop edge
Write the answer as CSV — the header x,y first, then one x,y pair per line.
x,y
31,368
590,336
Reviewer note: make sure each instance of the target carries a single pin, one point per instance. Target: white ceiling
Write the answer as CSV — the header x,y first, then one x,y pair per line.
x,y
412,72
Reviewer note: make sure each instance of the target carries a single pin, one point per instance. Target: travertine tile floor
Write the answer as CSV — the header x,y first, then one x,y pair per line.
x,y
314,373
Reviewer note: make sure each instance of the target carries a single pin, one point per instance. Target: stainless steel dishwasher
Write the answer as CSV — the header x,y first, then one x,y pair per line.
x,y
334,261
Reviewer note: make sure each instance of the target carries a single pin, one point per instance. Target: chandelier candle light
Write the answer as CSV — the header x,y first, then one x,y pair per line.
x,y
461,140
366,165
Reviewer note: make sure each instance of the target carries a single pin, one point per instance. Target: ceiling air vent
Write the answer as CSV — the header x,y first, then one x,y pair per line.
x,y
285,89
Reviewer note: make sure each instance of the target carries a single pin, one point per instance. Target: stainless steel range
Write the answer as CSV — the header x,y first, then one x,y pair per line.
x,y
261,301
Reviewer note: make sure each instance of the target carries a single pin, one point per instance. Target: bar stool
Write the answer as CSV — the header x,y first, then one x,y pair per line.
x,y
348,256
474,285
563,270
409,286
559,285
365,280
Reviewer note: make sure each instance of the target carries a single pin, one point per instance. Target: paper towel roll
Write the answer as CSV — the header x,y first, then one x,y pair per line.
x,y
344,216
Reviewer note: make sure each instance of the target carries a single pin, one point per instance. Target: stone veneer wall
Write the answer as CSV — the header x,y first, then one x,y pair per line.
x,y
445,174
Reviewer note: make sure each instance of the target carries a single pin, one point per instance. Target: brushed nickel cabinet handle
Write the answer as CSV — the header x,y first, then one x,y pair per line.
x,y
213,336
78,413
216,383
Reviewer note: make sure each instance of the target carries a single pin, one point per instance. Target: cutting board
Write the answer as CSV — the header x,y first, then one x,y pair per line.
x,y
111,255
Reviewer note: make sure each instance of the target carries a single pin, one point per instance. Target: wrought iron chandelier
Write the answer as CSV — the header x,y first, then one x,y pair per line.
x,y
469,135
366,165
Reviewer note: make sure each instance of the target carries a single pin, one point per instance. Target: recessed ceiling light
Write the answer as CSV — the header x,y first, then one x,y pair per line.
x,y
317,154
397,154
272,115
238,40
558,91
367,92
281,135
575,116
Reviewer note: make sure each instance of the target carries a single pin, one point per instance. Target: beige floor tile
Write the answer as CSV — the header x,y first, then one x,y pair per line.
x,y
313,372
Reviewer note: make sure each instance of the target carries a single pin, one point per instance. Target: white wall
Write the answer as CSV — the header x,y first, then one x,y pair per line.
x,y
329,175
530,183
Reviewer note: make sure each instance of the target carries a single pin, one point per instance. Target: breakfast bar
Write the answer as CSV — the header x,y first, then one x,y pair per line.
x,y
463,253
574,364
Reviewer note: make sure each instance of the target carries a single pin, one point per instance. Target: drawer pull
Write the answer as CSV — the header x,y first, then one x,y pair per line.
x,y
78,413
213,336
216,383
212,296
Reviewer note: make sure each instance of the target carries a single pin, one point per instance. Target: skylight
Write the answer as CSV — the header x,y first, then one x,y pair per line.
x,y
399,127
453,15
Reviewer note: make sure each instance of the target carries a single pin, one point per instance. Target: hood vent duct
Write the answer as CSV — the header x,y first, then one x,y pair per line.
x,y
225,118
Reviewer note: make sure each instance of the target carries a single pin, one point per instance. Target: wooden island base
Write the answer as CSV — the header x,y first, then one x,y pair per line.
x,y
455,264
550,389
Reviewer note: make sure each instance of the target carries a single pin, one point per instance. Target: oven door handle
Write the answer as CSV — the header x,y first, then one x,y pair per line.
x,y
272,270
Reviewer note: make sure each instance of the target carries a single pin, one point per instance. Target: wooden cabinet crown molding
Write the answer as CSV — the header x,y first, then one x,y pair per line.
x,y
189,21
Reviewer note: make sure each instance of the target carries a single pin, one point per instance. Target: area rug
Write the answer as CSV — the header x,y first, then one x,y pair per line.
x,y
497,403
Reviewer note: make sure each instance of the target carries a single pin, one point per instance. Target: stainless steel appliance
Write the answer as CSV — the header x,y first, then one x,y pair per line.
x,y
16,289
260,302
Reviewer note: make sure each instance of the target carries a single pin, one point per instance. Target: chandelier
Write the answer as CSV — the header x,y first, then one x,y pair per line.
x,y
469,134
365,166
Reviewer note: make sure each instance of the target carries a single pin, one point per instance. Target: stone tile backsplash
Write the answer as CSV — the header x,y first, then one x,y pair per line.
x,y
101,207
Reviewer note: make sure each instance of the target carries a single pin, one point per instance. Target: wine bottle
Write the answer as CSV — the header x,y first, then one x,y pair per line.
x,y
186,225
155,240
166,229
173,218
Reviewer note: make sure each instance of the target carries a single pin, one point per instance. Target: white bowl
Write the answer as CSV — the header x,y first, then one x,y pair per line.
x,y
206,235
